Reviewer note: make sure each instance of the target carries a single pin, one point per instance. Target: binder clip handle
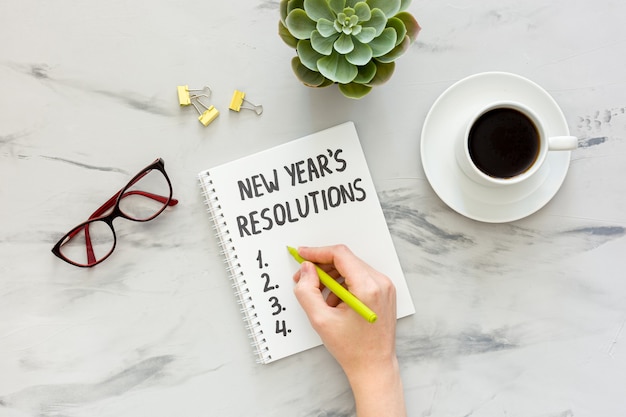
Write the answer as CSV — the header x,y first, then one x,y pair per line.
x,y
185,96
257,108
236,103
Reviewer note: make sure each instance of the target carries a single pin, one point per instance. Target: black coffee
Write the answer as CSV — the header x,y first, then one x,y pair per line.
x,y
503,143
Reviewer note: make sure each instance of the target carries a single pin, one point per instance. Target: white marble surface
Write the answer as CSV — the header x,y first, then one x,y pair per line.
x,y
518,319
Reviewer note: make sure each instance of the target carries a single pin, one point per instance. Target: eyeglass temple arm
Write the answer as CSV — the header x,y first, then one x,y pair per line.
x,y
111,202
91,257
107,206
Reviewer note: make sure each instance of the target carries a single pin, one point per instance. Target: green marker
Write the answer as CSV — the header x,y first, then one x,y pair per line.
x,y
343,294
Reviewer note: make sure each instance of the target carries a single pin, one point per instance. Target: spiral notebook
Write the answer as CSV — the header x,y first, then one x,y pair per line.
x,y
312,191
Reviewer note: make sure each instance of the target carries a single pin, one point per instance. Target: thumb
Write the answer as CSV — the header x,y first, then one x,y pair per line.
x,y
307,291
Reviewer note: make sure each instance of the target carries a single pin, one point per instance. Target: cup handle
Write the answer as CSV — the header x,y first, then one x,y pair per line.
x,y
562,143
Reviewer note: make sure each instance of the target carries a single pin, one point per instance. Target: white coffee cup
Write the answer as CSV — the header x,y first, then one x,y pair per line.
x,y
506,143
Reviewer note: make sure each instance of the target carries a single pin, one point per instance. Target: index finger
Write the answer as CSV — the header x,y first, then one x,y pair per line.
x,y
340,256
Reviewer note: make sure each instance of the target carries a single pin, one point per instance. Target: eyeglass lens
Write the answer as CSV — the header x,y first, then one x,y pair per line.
x,y
146,197
89,243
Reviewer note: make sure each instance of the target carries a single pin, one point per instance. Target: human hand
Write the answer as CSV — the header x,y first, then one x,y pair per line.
x,y
365,351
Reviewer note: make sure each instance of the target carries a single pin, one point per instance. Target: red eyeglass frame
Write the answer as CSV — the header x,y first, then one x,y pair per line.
x,y
114,202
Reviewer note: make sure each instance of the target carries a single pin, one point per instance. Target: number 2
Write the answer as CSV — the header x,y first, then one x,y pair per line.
x,y
267,287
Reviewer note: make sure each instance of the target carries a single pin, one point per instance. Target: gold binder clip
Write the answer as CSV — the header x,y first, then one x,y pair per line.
x,y
207,116
236,103
184,96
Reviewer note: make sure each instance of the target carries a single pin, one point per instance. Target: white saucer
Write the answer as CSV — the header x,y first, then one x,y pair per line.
x,y
446,121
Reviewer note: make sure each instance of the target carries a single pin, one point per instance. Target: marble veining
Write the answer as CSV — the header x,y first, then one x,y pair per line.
x,y
52,398
86,166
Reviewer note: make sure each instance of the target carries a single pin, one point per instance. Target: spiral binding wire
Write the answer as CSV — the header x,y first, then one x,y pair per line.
x,y
233,267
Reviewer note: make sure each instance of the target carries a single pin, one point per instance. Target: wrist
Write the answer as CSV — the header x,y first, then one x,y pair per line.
x,y
378,389
370,371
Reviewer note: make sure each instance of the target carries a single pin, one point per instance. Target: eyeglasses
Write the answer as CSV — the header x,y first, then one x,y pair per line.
x,y
142,199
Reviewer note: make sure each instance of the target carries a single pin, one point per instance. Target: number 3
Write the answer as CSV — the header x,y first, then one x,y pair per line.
x,y
276,305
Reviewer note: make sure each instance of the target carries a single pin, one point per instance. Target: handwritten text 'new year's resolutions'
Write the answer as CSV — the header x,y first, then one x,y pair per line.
x,y
291,175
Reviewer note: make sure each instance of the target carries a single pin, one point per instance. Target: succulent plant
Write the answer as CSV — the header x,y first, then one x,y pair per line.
x,y
351,43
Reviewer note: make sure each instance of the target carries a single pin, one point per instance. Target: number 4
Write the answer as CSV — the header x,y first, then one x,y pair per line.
x,y
281,327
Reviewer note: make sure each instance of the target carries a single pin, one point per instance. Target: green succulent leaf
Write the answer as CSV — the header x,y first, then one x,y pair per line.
x,y
360,55
354,19
411,25
384,71
398,26
318,9
396,52
286,36
352,43
378,21
363,11
294,4
326,28
299,24
305,75
291,6
323,44
404,4
337,6
366,73
308,55
335,67
344,44
389,7
283,10
354,90
384,43
366,35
